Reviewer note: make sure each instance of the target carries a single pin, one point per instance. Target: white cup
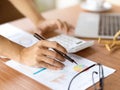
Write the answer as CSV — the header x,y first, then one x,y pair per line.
x,y
96,4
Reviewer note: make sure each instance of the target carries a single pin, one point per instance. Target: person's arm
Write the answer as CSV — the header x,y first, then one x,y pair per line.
x,y
27,8
10,49
37,55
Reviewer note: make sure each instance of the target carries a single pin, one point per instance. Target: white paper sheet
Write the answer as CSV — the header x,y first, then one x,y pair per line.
x,y
17,35
59,80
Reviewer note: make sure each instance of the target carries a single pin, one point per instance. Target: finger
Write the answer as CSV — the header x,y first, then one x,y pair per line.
x,y
71,27
59,24
50,61
51,44
48,66
66,28
38,31
52,54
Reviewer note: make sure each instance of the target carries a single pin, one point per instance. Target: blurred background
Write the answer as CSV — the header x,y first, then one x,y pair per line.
x,y
9,13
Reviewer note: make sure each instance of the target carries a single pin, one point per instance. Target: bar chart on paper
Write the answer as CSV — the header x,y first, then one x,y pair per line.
x,y
59,80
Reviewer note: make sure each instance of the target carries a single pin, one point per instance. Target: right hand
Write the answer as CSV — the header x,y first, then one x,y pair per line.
x,y
39,55
45,26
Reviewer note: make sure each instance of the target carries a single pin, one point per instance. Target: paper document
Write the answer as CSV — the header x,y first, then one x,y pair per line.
x,y
17,35
59,80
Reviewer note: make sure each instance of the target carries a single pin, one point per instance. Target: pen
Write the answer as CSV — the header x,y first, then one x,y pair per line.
x,y
59,52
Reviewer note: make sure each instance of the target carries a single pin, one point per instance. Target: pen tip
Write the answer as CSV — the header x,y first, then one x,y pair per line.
x,y
76,63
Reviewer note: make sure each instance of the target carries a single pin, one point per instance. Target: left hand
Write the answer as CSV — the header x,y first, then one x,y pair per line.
x,y
46,26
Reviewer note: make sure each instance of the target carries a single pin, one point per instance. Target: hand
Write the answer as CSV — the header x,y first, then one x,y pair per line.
x,y
39,55
46,26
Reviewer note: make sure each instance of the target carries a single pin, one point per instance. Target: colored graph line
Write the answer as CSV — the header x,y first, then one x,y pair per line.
x,y
39,71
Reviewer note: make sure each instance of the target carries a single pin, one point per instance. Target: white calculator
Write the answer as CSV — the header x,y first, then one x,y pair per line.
x,y
72,44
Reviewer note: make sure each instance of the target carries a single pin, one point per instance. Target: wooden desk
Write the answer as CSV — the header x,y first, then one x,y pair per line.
x,y
13,80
